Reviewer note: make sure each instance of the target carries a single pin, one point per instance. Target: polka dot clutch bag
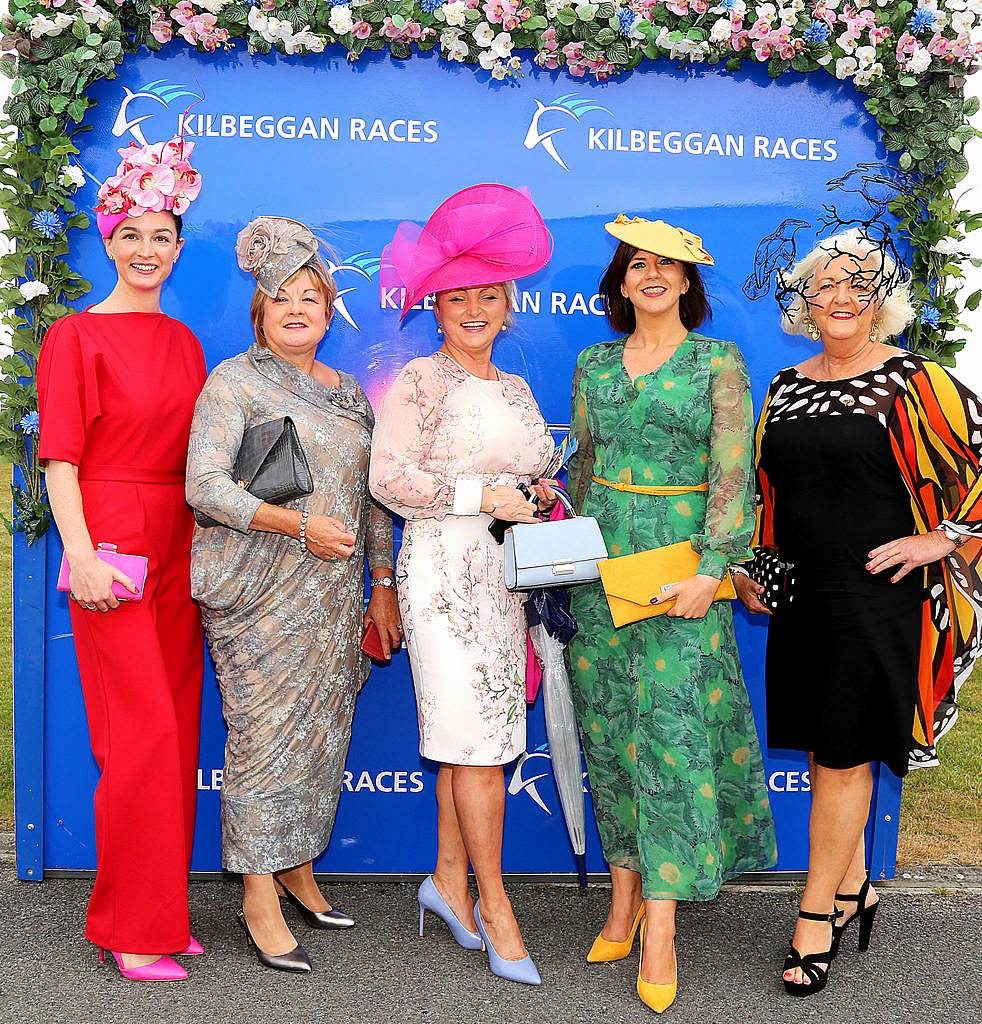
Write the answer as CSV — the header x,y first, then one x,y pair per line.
x,y
776,576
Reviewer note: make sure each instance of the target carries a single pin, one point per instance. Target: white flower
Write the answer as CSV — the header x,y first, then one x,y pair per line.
x,y
39,25
6,351
499,71
721,31
962,21
866,75
847,42
866,55
212,6
454,13
846,66
71,176
767,11
827,59
502,44
947,246
95,15
453,45
483,34
33,289
919,61
341,21
257,19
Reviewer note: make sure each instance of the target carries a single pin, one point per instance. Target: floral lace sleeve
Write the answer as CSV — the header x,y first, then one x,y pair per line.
x,y
730,517
410,473
581,464
378,539
216,436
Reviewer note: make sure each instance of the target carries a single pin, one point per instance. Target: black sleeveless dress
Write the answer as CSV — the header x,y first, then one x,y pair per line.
x,y
842,659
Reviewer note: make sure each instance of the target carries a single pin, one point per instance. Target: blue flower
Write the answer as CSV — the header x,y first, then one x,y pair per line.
x,y
818,32
30,424
340,3
922,20
627,18
727,5
930,315
48,224
430,5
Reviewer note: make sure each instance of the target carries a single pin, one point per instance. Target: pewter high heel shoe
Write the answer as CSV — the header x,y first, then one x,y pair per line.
x,y
430,899
523,971
296,961
327,919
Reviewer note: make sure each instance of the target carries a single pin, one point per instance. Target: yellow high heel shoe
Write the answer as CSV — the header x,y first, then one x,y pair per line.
x,y
604,951
658,997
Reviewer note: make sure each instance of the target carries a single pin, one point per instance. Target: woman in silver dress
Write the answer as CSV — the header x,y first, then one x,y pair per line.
x,y
281,588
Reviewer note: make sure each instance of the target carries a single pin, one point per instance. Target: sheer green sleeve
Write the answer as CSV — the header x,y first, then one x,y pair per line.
x,y
730,518
581,465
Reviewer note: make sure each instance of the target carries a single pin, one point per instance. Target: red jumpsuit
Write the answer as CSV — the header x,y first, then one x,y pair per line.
x,y
116,393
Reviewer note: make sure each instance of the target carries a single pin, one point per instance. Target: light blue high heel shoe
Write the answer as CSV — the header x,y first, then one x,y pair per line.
x,y
523,970
430,899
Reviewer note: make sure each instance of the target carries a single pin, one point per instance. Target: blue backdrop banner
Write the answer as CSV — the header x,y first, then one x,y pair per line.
x,y
747,162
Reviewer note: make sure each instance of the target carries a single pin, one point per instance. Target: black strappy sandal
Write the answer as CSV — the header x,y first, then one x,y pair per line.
x,y
864,914
814,965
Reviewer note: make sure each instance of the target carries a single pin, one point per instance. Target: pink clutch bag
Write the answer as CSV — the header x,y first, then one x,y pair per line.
x,y
135,566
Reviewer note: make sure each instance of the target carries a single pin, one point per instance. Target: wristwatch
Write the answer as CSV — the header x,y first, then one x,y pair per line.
x,y
384,581
956,538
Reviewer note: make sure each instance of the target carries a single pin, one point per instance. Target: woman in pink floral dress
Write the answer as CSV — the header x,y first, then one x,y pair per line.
x,y
454,438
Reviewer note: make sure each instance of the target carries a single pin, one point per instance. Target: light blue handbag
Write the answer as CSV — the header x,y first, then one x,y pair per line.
x,y
553,554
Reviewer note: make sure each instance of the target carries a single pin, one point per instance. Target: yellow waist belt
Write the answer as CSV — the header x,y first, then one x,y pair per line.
x,y
640,489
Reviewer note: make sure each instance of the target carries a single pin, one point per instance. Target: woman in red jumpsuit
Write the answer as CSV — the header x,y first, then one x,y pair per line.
x,y
116,391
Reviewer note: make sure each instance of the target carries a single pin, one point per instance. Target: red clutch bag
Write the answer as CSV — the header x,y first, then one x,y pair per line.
x,y
371,643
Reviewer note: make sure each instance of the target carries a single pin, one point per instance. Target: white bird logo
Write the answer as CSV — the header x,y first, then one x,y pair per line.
x,y
160,92
518,783
571,105
363,264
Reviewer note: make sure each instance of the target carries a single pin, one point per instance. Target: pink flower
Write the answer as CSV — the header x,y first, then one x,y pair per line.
x,y
679,7
410,31
361,30
162,30
822,12
906,45
497,10
549,42
760,29
698,6
183,13
763,49
879,34
113,200
740,41
548,59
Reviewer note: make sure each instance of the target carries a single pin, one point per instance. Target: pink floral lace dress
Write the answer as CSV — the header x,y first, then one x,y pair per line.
x,y
441,436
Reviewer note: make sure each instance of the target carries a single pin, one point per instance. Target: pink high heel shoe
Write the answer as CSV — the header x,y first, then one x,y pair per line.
x,y
164,969
193,948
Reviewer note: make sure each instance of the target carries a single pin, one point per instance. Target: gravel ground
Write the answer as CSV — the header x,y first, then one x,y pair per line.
x,y
924,964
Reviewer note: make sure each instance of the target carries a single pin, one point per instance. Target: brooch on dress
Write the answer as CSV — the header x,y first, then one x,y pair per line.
x,y
847,400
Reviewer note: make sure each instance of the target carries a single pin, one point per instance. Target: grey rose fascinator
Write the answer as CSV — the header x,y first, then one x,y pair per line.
x,y
272,249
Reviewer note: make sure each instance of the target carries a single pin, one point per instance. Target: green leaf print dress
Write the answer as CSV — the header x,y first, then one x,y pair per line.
x,y
671,747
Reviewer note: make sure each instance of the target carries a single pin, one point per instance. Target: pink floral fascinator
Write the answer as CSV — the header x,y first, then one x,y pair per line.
x,y
485,234
149,178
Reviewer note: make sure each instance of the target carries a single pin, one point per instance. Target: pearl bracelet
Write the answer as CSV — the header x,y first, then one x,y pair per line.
x,y
303,527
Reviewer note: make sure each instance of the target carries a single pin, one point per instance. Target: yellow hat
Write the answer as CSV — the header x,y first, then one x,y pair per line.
x,y
659,238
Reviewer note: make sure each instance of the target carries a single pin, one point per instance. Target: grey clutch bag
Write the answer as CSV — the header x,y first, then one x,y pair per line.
x,y
270,465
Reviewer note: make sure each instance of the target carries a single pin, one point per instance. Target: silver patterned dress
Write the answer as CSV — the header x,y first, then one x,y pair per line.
x,y
284,627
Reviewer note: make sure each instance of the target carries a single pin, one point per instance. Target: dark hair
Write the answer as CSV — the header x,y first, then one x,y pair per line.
x,y
694,308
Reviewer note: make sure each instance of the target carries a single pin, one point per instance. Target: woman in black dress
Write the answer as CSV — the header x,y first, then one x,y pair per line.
x,y
868,460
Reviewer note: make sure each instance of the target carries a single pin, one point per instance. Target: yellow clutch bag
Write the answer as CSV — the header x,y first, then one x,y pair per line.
x,y
632,581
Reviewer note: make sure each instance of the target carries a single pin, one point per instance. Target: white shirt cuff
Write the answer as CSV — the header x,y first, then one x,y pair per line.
x,y
467,495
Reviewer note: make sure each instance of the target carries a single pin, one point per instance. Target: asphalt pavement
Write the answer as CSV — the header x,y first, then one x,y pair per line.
x,y
924,965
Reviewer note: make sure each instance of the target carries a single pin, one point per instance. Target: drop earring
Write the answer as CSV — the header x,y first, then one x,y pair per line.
x,y
439,329
812,328
504,327
874,332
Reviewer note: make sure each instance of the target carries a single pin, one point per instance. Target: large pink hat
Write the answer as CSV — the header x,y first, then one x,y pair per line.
x,y
149,178
485,234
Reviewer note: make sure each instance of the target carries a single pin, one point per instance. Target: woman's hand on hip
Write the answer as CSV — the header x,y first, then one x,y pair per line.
x,y
329,539
909,553
508,503
750,594
90,583
692,597
383,610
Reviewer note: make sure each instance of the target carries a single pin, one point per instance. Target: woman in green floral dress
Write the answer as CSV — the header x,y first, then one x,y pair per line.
x,y
674,762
